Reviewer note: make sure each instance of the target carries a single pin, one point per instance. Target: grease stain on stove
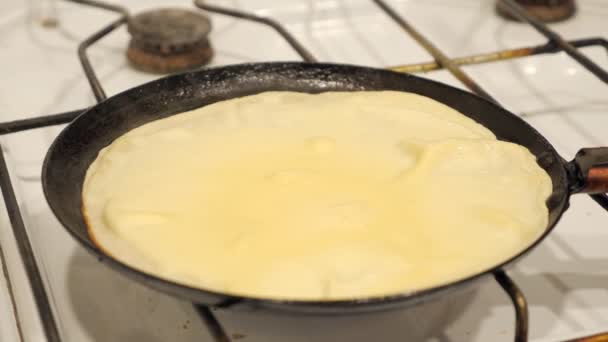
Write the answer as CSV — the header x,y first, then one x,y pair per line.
x,y
238,336
49,22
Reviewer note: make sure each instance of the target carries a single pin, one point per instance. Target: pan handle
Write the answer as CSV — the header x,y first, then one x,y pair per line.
x,y
589,171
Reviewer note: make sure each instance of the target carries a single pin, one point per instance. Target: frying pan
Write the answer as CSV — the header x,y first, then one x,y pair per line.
x,y
78,144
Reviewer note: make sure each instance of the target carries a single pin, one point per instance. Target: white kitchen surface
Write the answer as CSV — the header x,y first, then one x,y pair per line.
x,y
565,279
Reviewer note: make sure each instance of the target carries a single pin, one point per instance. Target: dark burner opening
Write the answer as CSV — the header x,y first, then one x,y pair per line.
x,y
169,40
544,10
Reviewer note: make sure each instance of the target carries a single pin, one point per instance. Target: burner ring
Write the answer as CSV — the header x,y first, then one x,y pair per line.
x,y
169,40
545,10
166,64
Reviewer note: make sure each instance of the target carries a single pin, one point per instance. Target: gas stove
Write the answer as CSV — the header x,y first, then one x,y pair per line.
x,y
565,279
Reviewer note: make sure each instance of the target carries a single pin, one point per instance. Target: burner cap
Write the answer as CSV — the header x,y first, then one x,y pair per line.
x,y
169,40
544,10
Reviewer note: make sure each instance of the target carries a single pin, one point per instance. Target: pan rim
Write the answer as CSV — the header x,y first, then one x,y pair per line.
x,y
372,303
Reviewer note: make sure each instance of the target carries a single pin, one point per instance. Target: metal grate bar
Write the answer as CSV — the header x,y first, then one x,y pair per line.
x,y
300,49
38,122
503,55
103,5
213,325
47,319
98,91
601,199
519,302
593,338
520,13
439,56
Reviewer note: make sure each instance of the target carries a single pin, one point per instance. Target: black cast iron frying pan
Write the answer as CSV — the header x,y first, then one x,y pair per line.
x,y
79,143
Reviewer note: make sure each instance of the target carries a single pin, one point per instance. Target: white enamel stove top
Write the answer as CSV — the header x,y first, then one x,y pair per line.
x,y
565,279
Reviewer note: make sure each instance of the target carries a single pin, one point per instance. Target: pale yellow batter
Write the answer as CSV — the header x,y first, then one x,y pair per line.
x,y
330,196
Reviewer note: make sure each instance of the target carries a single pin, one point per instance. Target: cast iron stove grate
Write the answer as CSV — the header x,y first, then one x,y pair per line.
x,y
554,44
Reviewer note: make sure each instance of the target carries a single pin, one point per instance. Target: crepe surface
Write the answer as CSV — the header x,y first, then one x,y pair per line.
x,y
330,196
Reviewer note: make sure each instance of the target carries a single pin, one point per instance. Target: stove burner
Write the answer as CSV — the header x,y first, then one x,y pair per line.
x,y
544,10
169,40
